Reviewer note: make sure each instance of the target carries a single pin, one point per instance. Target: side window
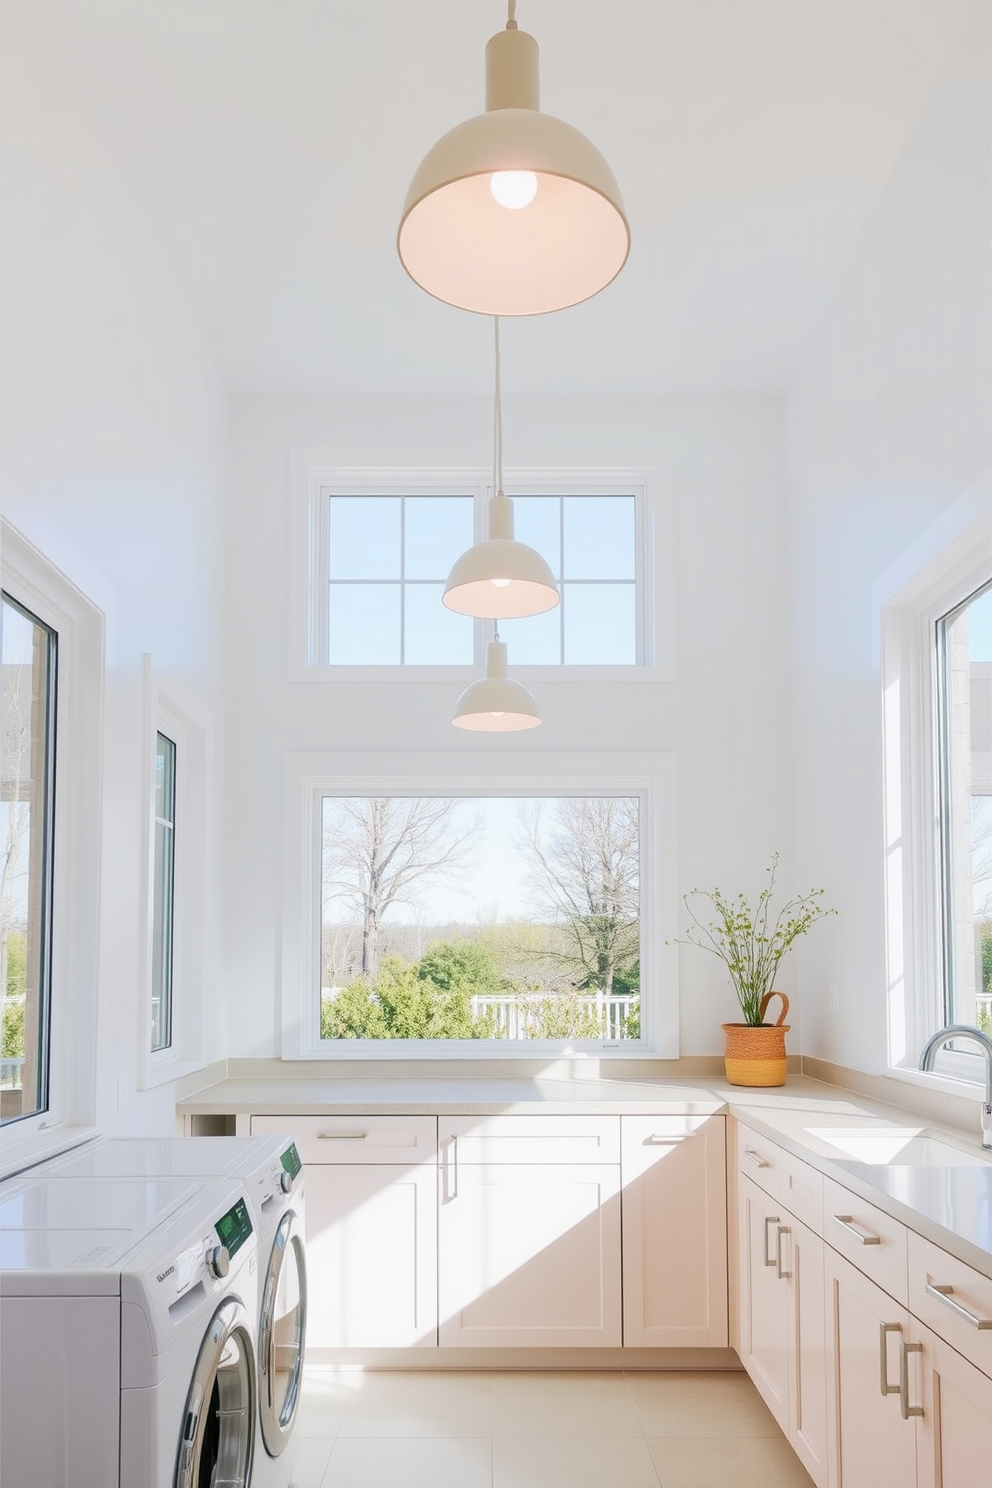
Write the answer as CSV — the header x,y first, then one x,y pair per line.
x,y
163,891
28,665
963,639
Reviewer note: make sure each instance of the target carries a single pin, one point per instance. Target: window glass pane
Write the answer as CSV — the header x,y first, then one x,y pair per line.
x,y
600,624
27,664
483,918
435,636
438,530
534,641
363,537
966,817
599,537
363,625
163,892
537,522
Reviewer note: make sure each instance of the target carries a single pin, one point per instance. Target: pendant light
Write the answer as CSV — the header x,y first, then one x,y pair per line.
x,y
500,578
496,704
513,212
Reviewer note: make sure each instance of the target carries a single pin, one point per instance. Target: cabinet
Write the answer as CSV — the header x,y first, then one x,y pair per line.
x,y
529,1232
371,1188
674,1213
954,1433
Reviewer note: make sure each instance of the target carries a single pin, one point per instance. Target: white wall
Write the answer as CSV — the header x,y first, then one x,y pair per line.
x,y
890,420
726,714
112,448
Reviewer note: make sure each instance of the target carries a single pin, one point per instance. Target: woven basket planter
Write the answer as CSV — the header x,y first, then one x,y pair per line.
x,y
755,1055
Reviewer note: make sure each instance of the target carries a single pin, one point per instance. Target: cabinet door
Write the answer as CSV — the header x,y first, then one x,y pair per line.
x,y
803,1254
529,1255
955,1431
764,1297
371,1256
674,1207
872,1445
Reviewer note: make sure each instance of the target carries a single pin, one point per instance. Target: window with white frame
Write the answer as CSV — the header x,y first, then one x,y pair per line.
x,y
163,890
380,556
52,655
937,681
476,916
29,670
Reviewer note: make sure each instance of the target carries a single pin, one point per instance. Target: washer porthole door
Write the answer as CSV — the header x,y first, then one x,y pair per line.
x,y
282,1334
217,1433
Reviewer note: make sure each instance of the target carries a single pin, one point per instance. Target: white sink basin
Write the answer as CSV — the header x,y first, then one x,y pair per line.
x,y
898,1147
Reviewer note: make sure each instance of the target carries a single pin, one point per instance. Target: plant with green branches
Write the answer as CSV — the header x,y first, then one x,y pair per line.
x,y
748,940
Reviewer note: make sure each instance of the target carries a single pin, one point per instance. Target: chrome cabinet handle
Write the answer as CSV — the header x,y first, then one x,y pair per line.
x,y
449,1170
884,1329
945,1294
770,1219
756,1158
342,1136
782,1230
657,1139
905,1349
864,1236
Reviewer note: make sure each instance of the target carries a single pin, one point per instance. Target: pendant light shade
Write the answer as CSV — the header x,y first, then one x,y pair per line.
x,y
496,704
513,212
500,579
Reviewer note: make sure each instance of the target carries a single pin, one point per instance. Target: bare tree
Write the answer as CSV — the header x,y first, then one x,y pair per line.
x,y
377,851
585,872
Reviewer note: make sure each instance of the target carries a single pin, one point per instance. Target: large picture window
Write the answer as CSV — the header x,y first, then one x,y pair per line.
x,y
28,662
481,918
963,639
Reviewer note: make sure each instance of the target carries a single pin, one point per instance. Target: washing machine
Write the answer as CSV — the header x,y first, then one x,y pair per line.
x,y
127,1348
272,1174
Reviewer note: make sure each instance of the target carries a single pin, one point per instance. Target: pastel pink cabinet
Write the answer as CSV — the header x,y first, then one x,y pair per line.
x,y
674,1209
954,1434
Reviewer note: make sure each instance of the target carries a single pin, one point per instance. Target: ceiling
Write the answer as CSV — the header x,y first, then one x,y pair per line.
x,y
268,145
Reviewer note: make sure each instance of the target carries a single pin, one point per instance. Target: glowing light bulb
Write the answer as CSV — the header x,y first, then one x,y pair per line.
x,y
513,189
499,583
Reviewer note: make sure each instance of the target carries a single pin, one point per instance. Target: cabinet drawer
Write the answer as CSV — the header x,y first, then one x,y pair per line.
x,y
356,1139
760,1159
874,1242
962,1291
801,1191
645,1140
532,1139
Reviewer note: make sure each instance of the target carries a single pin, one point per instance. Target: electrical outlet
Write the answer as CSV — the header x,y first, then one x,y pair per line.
x,y
833,1000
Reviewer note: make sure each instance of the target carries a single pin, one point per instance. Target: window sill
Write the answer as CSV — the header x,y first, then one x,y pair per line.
x,y
25,1150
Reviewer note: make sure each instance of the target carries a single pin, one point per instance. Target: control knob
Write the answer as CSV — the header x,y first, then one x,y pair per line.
x,y
219,1261
286,1182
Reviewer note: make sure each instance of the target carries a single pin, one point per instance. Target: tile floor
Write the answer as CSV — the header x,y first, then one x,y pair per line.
x,y
539,1430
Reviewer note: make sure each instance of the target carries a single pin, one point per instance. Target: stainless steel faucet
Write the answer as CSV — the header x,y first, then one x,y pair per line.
x,y
965,1030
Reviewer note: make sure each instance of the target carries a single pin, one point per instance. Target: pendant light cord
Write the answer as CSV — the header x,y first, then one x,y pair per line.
x,y
498,419
511,15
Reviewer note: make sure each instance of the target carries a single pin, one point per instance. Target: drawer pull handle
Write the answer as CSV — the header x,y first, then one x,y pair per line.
x,y
945,1294
756,1158
865,1237
782,1275
905,1349
772,1219
884,1329
656,1139
342,1136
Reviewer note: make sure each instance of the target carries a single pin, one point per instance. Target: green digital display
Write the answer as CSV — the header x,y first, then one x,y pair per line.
x,y
234,1227
291,1160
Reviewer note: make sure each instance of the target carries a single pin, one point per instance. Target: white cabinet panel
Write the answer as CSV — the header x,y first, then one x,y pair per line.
x,y
371,1256
954,1300
764,1297
530,1139
356,1139
674,1209
530,1256
954,1434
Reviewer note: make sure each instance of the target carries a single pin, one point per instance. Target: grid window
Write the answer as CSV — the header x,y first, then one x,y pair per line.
x,y
164,885
590,543
28,663
964,677
388,558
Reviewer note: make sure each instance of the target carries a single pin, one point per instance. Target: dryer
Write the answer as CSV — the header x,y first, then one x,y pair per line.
x,y
126,1336
272,1173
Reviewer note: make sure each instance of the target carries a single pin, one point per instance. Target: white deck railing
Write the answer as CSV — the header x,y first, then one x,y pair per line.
x,y
517,1013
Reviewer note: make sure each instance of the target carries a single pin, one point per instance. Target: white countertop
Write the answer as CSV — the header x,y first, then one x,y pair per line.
x,y
950,1206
